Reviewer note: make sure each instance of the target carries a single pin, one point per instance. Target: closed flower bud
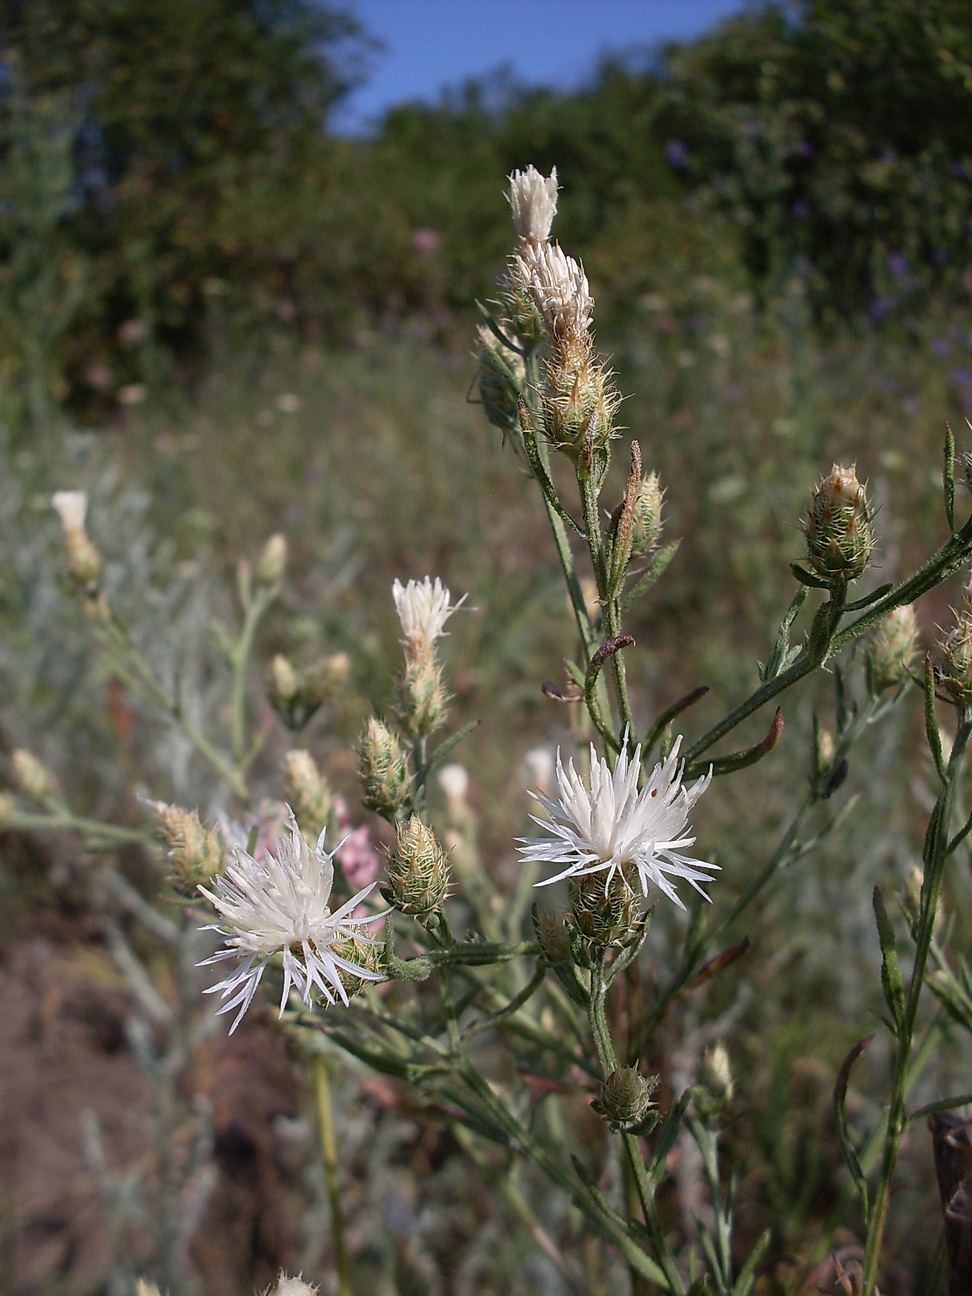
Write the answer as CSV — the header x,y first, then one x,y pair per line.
x,y
308,792
647,522
625,1099
501,381
272,562
366,954
956,648
325,679
552,935
143,1288
382,769
579,405
892,648
418,871
30,776
840,539
83,559
195,852
715,1088
284,684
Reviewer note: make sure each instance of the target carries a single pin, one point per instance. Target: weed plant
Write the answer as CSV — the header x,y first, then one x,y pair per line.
x,y
706,1058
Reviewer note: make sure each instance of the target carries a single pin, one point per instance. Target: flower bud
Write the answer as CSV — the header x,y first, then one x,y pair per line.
x,y
382,769
892,648
956,649
325,679
501,381
284,684
552,935
308,792
143,1288
715,1086
840,539
195,852
647,522
30,776
272,562
624,1099
418,871
579,405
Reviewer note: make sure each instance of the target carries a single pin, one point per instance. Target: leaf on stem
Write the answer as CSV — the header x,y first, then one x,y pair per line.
x,y
948,479
891,980
840,1118
748,756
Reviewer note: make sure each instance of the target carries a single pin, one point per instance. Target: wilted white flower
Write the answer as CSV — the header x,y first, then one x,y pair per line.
x,y
559,287
70,506
423,609
533,199
281,905
604,823
292,1287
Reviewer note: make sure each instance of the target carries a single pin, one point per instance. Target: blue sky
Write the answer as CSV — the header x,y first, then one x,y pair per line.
x,y
434,43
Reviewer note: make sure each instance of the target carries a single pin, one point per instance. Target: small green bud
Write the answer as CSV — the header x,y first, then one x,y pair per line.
x,y
195,852
30,776
714,1093
382,769
625,1100
284,683
647,525
552,935
418,871
272,562
423,695
501,381
956,649
892,648
840,539
579,405
308,792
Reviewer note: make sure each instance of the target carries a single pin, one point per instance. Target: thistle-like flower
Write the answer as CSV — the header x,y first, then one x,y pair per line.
x,y
533,200
281,905
559,287
423,608
605,824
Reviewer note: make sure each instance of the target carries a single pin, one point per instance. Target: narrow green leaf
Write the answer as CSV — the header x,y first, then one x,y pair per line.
x,y
948,478
840,1118
747,1274
932,733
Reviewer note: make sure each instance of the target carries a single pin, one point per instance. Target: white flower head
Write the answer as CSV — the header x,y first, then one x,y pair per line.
x,y
70,506
281,905
559,287
604,823
423,609
533,199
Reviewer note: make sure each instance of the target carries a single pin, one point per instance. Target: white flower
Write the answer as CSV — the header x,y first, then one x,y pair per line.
x,y
559,287
281,906
70,506
423,609
533,199
604,823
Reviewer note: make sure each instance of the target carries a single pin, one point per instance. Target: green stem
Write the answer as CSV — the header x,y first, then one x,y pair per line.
x,y
325,1128
239,662
935,855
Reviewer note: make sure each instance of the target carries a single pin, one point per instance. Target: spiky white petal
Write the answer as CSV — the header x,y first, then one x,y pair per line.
x,y
559,287
605,823
533,199
423,609
281,905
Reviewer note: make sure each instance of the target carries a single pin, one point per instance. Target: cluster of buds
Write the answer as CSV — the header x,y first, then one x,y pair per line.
x,y
382,769
423,608
625,1100
892,649
195,852
840,538
417,877
308,792
296,694
83,559
956,645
